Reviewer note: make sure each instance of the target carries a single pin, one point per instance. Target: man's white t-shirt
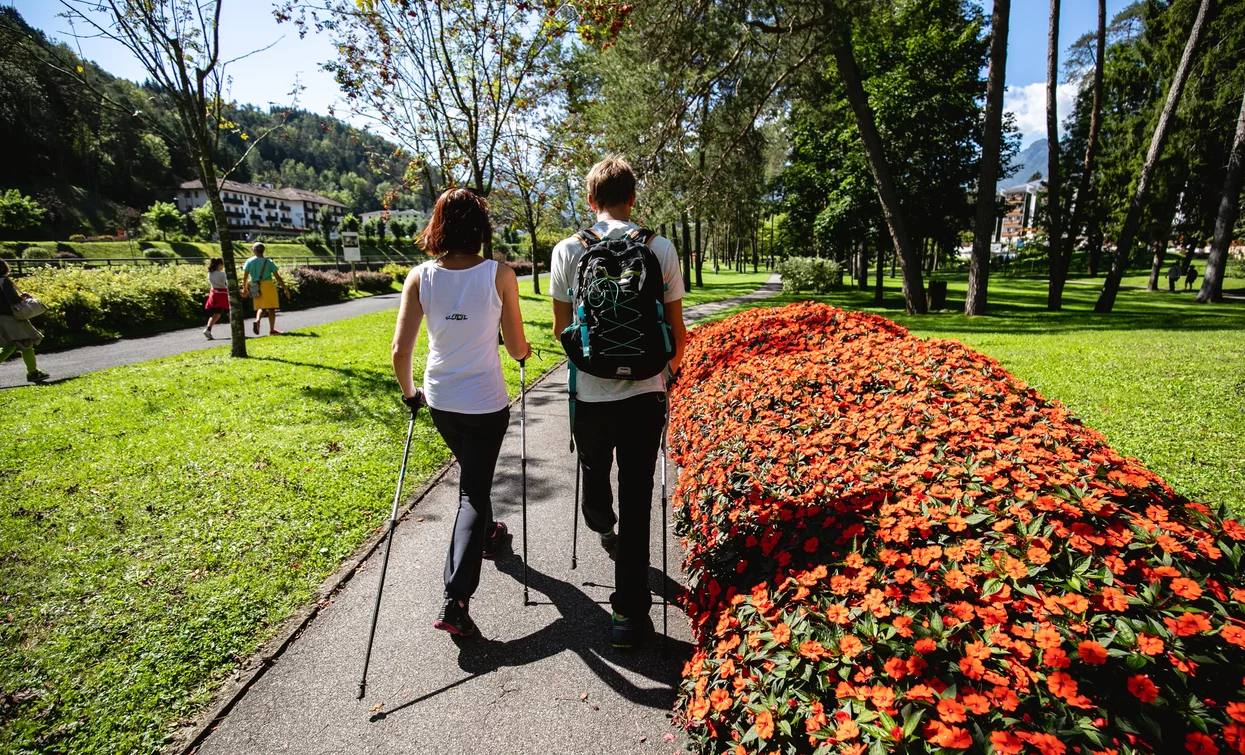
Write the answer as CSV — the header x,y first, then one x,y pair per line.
x,y
562,279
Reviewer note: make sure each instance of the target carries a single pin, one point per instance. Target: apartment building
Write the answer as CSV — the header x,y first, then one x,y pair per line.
x,y
261,208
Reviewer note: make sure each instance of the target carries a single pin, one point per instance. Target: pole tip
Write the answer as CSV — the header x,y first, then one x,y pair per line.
x,y
362,688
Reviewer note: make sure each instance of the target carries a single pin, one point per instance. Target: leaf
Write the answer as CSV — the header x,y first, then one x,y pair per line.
x,y
910,722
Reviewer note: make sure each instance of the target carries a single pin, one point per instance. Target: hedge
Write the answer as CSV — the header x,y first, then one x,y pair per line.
x,y
106,303
896,546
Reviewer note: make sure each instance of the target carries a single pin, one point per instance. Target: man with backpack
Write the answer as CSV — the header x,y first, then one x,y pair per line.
x,y
618,310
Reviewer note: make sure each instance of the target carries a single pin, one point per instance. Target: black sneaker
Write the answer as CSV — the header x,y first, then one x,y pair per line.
x,y
626,633
455,619
609,541
495,538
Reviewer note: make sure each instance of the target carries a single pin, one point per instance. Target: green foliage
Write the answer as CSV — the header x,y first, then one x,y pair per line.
x,y
204,221
164,217
37,253
18,212
156,253
811,274
398,272
349,222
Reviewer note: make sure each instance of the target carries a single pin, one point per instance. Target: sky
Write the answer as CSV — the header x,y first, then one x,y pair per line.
x,y
269,76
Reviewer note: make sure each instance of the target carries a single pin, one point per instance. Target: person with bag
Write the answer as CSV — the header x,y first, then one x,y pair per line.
x,y
466,300
16,332
258,273
618,310
218,295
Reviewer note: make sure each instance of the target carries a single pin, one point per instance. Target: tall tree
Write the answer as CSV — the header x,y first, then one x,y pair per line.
x,y
178,45
1225,220
1054,235
1083,198
983,227
1128,229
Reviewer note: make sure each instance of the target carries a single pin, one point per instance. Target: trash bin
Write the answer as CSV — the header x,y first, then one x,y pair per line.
x,y
936,296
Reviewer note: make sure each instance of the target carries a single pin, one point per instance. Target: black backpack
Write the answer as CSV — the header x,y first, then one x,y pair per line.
x,y
619,329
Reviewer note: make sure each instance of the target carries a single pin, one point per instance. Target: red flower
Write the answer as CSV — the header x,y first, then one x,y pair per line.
x,y
1143,688
1149,644
1186,588
950,711
1091,652
1006,743
951,737
1199,744
850,645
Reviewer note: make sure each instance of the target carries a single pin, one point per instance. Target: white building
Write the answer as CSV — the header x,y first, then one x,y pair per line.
x,y
260,208
406,216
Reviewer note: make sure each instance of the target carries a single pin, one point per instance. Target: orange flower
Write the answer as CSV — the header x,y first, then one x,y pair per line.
x,y
846,730
1233,634
1061,685
1091,652
764,724
1236,711
950,711
1006,743
1188,624
850,645
1149,644
812,650
698,708
924,645
1186,588
782,634
720,699
1113,599
951,737
895,668
1143,689
838,614
955,579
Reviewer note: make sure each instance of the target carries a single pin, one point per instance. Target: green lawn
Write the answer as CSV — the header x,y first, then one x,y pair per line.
x,y
158,521
1162,377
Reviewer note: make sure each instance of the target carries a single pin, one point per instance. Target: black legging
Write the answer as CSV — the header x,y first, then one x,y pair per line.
x,y
475,440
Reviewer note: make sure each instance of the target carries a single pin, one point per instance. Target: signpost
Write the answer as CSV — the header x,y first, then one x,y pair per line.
x,y
350,249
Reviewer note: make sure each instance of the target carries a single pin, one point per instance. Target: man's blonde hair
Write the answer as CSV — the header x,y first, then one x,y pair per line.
x,y
611,182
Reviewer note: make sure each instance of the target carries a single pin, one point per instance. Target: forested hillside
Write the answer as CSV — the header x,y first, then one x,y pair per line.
x,y
86,145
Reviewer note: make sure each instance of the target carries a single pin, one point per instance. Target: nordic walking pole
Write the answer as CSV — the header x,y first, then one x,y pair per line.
x,y
393,522
665,592
523,464
575,519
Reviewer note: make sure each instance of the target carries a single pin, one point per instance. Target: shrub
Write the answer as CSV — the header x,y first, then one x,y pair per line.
x,y
370,281
397,271
310,286
156,253
521,267
37,253
896,546
810,274
77,237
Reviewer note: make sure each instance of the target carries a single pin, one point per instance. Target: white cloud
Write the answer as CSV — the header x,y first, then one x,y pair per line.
x,y
1028,102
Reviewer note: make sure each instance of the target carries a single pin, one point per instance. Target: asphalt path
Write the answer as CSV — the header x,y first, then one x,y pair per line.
x,y
68,363
543,677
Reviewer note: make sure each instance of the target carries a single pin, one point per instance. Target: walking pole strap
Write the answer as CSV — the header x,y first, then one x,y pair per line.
x,y
570,384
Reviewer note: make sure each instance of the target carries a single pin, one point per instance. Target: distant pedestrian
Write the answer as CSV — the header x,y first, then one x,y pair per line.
x,y
466,299
258,273
218,295
17,335
1189,277
1173,274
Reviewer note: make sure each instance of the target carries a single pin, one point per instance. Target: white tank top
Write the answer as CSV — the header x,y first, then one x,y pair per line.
x,y
463,372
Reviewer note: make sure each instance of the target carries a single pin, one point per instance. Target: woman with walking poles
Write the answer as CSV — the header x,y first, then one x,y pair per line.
x,y
465,299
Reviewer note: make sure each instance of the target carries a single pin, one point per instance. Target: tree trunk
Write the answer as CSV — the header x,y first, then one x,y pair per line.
x,y
756,251
237,315
687,255
1159,260
877,277
1128,230
913,285
700,258
983,226
1229,207
1082,199
862,266
531,229
713,240
1054,231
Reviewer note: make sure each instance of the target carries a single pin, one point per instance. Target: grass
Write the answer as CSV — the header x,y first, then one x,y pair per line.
x,y
159,521
1162,377
724,285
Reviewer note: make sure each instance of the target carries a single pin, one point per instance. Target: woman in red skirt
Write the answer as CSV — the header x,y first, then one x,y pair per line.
x,y
218,298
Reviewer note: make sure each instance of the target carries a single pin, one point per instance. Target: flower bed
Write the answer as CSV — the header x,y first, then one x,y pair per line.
x,y
896,546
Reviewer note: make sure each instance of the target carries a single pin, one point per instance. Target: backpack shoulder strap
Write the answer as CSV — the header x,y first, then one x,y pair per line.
x,y
588,237
642,235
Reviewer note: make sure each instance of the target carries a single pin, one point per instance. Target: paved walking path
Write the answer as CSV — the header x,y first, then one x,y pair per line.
x,y
83,359
543,680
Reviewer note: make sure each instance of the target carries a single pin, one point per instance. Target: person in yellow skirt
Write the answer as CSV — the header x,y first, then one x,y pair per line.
x,y
258,274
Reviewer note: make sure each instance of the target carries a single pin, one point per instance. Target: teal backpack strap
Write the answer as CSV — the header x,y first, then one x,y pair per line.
x,y
570,384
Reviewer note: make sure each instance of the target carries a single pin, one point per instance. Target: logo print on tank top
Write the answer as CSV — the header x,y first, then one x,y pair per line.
x,y
456,316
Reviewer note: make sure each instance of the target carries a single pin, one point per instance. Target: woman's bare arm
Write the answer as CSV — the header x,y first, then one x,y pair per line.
x,y
511,315
405,333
